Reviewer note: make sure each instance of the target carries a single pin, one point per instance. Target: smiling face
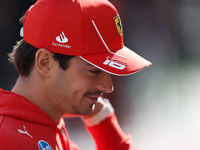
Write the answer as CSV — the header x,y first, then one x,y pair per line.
x,y
76,90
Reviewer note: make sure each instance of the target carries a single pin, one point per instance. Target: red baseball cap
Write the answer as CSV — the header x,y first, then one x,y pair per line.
x,y
90,29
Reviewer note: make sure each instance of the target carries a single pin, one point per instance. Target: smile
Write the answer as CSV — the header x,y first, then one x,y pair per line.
x,y
93,98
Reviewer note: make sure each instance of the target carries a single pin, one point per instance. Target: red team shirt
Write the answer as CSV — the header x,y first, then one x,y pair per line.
x,y
24,126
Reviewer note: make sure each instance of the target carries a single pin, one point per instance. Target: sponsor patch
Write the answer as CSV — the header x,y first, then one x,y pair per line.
x,y
62,39
43,145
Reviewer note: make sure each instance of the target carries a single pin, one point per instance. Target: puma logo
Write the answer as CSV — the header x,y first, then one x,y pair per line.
x,y
24,132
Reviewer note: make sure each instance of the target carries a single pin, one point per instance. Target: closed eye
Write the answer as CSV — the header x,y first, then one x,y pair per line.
x,y
96,71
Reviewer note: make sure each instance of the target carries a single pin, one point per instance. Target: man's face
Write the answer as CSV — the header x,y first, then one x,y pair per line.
x,y
76,90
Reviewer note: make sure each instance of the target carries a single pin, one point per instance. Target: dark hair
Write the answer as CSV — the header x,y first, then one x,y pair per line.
x,y
23,57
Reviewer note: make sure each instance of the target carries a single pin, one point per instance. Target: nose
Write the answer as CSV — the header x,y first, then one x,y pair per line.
x,y
105,83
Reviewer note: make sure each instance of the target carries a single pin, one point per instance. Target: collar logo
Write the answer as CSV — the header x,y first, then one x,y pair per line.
x,y
62,38
118,24
43,145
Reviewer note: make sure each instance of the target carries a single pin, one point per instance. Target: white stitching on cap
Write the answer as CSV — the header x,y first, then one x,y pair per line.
x,y
104,41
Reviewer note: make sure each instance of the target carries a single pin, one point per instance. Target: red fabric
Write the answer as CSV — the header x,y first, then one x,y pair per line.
x,y
18,116
52,24
89,28
109,136
23,126
6,143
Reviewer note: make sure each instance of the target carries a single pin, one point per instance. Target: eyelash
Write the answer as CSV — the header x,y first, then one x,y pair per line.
x,y
96,71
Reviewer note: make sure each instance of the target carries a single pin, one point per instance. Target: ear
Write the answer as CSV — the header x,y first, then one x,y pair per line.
x,y
43,62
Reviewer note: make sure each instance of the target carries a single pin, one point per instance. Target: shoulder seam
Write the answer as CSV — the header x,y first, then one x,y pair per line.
x,y
11,140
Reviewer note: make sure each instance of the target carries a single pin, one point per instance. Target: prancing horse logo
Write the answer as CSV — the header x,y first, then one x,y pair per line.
x,y
118,24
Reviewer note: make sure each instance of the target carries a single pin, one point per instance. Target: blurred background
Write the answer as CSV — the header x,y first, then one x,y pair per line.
x,y
159,106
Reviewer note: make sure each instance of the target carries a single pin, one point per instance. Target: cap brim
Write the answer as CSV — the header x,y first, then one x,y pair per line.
x,y
121,62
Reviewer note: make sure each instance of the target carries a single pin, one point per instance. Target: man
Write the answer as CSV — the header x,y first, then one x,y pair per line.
x,y
65,60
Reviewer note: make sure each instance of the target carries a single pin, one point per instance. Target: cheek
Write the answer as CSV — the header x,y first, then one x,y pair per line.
x,y
61,85
73,85
68,88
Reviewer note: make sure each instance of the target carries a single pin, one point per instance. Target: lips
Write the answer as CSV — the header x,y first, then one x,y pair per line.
x,y
92,98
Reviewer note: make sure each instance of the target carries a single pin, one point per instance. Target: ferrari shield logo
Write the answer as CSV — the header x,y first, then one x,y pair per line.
x,y
118,25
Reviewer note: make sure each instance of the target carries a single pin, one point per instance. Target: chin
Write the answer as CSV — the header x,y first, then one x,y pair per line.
x,y
85,111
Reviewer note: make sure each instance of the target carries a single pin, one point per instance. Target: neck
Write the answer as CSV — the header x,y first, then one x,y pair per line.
x,y
35,92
